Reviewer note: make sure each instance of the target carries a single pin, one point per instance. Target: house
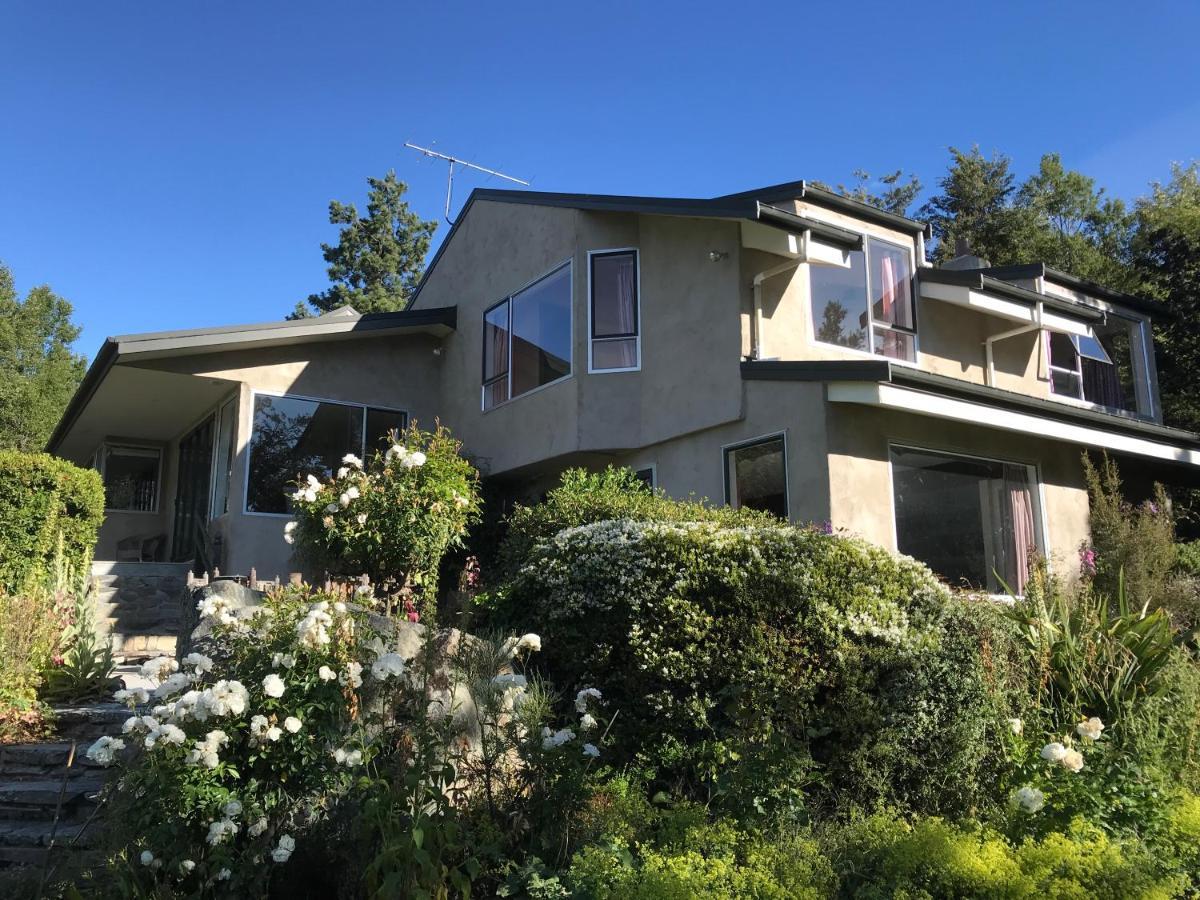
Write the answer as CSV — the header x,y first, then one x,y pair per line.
x,y
785,348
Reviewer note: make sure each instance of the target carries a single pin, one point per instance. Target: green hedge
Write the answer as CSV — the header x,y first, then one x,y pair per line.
x,y
42,496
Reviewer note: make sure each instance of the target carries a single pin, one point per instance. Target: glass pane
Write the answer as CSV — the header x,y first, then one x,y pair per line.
x,y
645,476
1062,351
895,344
380,424
614,295
541,338
495,342
1065,383
891,285
293,438
1114,385
757,478
224,455
131,479
839,302
619,354
495,393
970,520
1090,348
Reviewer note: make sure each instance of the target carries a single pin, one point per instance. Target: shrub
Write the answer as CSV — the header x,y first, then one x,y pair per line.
x,y
42,497
729,648
392,519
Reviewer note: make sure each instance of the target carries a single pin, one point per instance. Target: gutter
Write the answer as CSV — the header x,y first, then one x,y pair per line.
x,y
105,359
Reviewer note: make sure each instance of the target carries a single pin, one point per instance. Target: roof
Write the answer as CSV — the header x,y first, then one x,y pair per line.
x,y
1024,271
978,280
341,324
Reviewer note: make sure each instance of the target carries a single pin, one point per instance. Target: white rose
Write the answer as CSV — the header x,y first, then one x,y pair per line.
x,y
1054,752
1072,760
1030,799
292,724
273,685
1090,729
1016,726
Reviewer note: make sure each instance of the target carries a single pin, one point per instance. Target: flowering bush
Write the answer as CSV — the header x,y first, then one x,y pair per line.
x,y
391,517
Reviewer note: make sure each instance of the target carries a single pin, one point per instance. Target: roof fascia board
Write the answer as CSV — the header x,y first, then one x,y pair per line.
x,y
1074,282
830,234
975,280
806,190
105,359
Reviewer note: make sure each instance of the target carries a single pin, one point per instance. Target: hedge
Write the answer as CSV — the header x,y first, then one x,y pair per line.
x,y
42,496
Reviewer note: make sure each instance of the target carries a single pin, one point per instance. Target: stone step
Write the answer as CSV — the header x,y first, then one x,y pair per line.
x,y
18,796
86,723
149,645
40,833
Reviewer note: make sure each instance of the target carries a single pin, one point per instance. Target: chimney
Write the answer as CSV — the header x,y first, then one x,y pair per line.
x,y
964,258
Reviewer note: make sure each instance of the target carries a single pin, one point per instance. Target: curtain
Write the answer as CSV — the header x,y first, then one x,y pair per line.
x,y
893,344
619,299
1019,527
1101,383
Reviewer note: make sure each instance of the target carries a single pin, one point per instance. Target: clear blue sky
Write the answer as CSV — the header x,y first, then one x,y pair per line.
x,y
170,165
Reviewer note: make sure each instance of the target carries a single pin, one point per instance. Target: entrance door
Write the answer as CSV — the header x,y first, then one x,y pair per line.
x,y
190,535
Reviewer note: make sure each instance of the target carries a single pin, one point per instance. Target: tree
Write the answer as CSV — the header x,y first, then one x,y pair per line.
x,y
38,371
378,259
974,209
896,196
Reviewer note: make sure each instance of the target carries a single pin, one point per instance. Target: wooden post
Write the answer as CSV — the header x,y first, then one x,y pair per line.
x,y
253,579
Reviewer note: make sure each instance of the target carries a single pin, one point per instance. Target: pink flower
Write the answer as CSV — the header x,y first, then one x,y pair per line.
x,y
1087,561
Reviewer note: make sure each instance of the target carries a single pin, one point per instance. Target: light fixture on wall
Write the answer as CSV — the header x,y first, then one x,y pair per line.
x,y
717,255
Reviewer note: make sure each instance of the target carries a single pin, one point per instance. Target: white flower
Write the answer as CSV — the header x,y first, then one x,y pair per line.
x,y
351,460
1072,760
1030,799
274,733
233,809
105,750
147,857
509,680
313,482
529,642
309,495
206,751
1016,726
343,471
132,697
396,451
159,668
218,608
258,827
344,500
361,518
1090,729
292,724
552,740
339,607
587,722
313,629
1054,752
413,460
289,529
224,875
581,699
326,674
591,750
352,492
199,662
225,698
460,500
219,830
283,659
387,666
187,865
283,850
173,685
344,757
352,676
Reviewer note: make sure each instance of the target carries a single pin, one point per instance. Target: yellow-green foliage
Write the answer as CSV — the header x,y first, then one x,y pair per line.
x,y
41,498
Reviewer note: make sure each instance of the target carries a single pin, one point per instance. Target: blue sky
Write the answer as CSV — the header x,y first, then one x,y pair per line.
x,y
170,165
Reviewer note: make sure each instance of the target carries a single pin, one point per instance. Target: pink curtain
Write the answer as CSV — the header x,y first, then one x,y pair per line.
x,y
893,344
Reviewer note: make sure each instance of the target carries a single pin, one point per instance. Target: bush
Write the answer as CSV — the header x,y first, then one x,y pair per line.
x,y
392,519
769,650
42,497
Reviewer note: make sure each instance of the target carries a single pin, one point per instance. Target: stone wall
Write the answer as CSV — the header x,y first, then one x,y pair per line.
x,y
141,605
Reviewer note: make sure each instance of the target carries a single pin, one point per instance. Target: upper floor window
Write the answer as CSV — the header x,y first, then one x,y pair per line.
x,y
868,305
614,311
131,477
527,338
1105,369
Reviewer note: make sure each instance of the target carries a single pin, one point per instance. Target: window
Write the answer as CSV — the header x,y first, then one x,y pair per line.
x,y
130,477
614,310
647,476
527,339
867,306
756,475
295,436
1104,369
223,453
973,521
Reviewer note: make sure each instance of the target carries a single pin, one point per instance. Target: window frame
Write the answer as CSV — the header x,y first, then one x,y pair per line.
x,y
1040,525
914,333
637,311
485,382
726,478
1140,351
652,468
101,459
255,394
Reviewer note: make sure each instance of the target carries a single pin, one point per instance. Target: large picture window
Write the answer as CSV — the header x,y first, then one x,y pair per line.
x,y
975,522
527,339
756,475
868,305
1103,369
296,436
131,477
614,311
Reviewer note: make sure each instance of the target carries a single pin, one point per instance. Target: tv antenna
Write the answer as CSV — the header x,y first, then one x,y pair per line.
x,y
453,161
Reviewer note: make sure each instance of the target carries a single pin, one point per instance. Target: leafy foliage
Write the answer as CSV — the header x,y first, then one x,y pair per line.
x,y
378,258
83,669
895,193
38,371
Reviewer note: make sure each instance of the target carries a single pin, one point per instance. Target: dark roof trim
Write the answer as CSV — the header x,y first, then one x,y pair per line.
x,y
884,371
806,190
83,394
975,279
831,234
1067,280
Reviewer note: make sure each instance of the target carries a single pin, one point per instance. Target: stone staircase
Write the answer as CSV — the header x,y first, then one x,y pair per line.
x,y
49,791
141,605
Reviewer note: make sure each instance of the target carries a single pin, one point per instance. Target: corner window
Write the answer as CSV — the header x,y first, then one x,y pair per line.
x,y
975,522
648,476
868,305
1105,369
614,311
296,436
527,339
756,475
131,477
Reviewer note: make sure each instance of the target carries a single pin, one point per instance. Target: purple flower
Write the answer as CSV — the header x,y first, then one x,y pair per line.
x,y
1087,561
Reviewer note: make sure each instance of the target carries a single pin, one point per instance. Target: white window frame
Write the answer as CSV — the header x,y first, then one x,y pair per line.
x,y
1033,469
637,338
727,477
101,458
1143,390
915,334
255,394
212,486
507,303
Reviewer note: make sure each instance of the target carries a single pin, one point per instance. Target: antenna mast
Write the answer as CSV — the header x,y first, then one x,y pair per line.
x,y
453,160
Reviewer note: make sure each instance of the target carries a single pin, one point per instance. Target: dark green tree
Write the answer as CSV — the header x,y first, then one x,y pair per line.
x,y
974,209
38,371
378,259
896,194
